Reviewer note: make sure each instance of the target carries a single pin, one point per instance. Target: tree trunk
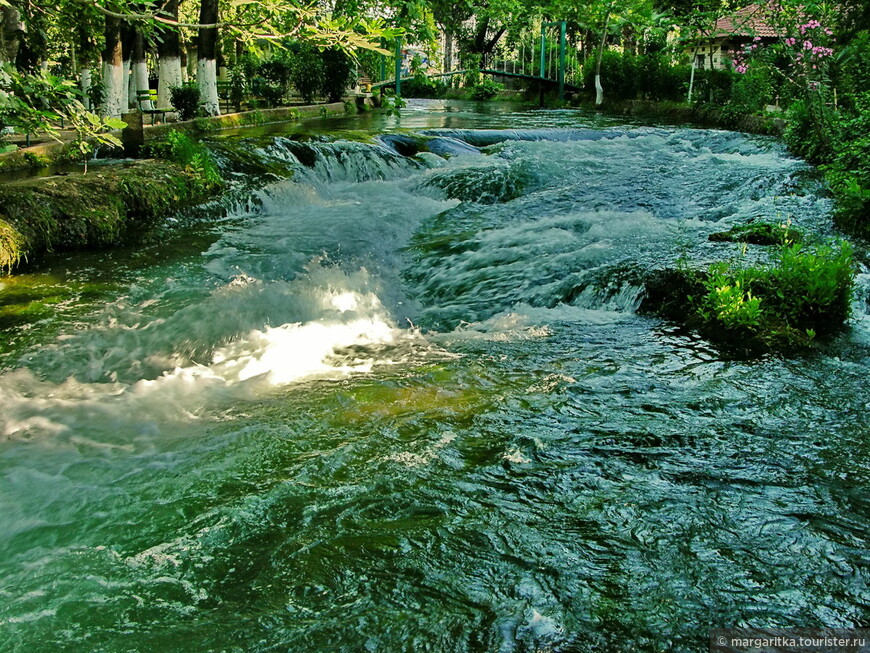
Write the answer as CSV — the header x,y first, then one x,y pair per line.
x,y
184,58
140,70
599,90
11,29
206,70
113,69
448,52
168,59
128,38
88,60
692,74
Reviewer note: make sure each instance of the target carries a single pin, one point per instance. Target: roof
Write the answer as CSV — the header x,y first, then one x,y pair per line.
x,y
749,21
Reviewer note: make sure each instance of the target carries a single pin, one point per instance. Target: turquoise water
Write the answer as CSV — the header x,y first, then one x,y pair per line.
x,y
407,403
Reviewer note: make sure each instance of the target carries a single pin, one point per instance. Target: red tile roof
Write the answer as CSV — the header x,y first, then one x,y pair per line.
x,y
749,21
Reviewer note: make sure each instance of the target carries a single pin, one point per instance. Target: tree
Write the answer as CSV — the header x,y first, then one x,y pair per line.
x,y
207,52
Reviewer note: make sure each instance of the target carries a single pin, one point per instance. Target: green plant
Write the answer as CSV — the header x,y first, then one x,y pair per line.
x,y
814,285
90,127
421,86
307,71
486,90
180,148
729,301
848,172
185,99
337,73
806,291
390,104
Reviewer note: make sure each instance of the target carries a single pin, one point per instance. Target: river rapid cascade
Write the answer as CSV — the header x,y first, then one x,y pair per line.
x,y
405,401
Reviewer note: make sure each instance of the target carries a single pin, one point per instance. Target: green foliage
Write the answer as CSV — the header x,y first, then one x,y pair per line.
x,y
390,104
90,128
307,72
853,65
628,76
849,170
807,290
814,285
190,154
337,73
486,90
34,102
185,99
421,86
729,301
754,90
810,130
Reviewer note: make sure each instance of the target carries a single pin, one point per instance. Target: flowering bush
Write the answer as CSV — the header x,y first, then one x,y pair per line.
x,y
808,52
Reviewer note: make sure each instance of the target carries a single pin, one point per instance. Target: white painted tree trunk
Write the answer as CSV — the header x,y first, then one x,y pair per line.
x,y
114,85
692,78
128,82
140,83
169,73
85,78
206,75
599,90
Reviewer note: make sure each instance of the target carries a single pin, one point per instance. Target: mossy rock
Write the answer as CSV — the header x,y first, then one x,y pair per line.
x,y
758,233
91,211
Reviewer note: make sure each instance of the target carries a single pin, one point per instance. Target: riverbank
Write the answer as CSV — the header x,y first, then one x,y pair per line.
x,y
105,207
769,123
117,202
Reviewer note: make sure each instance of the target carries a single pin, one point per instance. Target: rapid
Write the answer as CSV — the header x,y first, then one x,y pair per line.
x,y
405,401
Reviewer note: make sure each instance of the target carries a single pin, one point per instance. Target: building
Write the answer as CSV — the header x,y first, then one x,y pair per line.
x,y
730,34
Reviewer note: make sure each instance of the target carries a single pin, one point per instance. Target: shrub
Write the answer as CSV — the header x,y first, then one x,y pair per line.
x,y
273,80
729,301
307,72
337,72
849,171
185,99
627,76
806,291
180,148
810,132
486,90
422,86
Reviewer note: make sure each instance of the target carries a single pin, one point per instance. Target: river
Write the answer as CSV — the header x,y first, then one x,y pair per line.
x,y
406,402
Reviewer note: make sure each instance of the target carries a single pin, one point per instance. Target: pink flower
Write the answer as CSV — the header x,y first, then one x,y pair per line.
x,y
808,45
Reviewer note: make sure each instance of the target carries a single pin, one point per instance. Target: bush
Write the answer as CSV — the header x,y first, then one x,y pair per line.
x,y
422,86
627,76
849,171
180,148
185,99
807,291
307,72
273,80
337,73
486,90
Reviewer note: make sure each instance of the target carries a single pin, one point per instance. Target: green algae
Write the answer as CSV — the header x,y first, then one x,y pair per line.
x,y
91,211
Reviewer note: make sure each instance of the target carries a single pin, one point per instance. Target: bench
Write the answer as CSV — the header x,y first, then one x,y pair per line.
x,y
224,90
146,99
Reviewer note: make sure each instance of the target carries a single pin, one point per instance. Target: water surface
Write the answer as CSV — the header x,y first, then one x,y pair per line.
x,y
406,403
